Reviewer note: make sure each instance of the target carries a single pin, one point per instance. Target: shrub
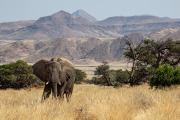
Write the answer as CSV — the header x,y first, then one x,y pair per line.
x,y
177,75
165,76
117,85
16,75
80,75
122,76
102,69
110,77
97,81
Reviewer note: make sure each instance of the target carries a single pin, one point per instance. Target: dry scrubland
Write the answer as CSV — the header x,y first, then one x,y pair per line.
x,y
90,102
89,67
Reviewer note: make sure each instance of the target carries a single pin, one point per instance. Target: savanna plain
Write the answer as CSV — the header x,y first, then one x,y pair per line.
x,y
91,102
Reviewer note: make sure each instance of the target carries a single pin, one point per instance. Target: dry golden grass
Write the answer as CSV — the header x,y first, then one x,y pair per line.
x,y
90,102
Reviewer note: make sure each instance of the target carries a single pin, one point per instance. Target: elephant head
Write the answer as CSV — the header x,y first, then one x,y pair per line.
x,y
49,72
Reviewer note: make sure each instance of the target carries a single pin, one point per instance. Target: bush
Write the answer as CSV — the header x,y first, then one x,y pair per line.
x,y
16,75
117,85
102,69
122,76
80,75
110,77
165,76
176,75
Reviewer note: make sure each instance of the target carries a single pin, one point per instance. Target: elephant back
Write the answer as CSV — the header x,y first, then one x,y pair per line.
x,y
63,61
39,69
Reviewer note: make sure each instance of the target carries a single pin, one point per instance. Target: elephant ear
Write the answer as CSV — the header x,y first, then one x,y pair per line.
x,y
39,69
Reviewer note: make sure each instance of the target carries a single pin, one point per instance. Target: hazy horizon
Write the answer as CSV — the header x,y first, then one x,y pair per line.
x,y
32,10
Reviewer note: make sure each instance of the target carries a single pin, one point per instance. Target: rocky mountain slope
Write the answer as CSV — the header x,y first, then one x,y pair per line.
x,y
84,14
10,27
164,34
74,49
77,49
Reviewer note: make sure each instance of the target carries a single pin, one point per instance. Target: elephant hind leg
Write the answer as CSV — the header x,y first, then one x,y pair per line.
x,y
46,92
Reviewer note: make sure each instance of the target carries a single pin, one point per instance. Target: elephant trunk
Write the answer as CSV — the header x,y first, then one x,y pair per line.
x,y
54,89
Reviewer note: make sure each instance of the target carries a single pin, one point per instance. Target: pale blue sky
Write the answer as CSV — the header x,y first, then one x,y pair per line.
x,y
15,10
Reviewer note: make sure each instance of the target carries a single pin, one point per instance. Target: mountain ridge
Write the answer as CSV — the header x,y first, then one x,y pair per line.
x,y
65,25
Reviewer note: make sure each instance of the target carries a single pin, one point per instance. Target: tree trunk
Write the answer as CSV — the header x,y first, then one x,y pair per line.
x,y
132,81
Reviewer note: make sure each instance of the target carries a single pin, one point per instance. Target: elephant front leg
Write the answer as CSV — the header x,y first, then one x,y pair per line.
x,y
61,89
46,92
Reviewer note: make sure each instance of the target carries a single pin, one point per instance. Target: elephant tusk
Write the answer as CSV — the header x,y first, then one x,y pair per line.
x,y
59,83
47,83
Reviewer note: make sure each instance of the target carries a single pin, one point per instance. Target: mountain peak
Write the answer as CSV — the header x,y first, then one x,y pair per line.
x,y
84,14
62,12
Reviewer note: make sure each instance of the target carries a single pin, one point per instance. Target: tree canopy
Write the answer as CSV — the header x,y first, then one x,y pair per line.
x,y
16,75
148,55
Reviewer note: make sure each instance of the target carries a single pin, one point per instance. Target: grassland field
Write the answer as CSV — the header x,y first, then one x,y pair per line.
x,y
91,102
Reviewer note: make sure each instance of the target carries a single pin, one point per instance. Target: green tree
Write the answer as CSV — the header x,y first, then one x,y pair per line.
x,y
148,55
122,76
102,69
165,76
16,75
80,75
110,77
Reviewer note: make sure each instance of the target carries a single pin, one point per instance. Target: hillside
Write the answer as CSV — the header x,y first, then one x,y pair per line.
x,y
164,34
77,49
10,27
73,49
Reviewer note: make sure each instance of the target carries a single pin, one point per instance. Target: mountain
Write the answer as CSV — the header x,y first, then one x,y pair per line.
x,y
113,50
60,25
121,20
145,28
73,49
77,49
13,50
144,24
84,14
9,27
66,25
166,33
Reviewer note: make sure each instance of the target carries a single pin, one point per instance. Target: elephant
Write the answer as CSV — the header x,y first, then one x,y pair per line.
x,y
69,70
58,75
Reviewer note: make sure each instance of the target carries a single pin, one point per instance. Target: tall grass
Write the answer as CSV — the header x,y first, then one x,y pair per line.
x,y
90,102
